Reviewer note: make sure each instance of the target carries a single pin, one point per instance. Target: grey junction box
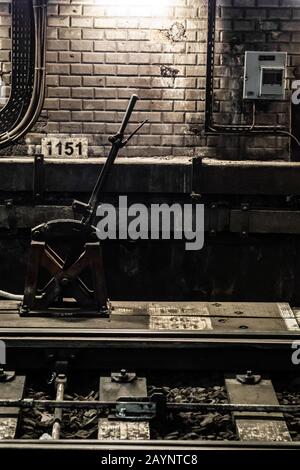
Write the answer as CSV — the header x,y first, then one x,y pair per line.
x,y
265,75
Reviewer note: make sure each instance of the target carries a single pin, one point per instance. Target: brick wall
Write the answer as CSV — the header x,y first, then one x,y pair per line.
x,y
100,52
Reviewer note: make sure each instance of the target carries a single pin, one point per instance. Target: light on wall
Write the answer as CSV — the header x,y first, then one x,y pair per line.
x,y
151,3
136,7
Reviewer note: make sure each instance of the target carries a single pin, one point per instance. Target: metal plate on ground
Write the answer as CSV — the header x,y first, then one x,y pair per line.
x,y
110,391
168,322
297,314
120,430
179,317
219,316
244,316
288,317
8,428
257,426
187,309
9,416
263,430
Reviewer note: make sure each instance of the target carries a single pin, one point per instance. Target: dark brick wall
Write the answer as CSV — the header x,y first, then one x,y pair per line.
x,y
99,52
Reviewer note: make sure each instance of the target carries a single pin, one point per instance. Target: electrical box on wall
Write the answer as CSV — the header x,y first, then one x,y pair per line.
x,y
265,74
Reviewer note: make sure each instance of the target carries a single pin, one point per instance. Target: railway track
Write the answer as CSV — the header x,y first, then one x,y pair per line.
x,y
78,388
153,415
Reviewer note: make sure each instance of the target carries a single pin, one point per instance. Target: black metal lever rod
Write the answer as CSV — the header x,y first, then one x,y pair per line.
x,y
89,210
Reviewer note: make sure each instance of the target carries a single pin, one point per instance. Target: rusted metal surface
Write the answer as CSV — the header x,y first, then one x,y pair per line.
x,y
64,287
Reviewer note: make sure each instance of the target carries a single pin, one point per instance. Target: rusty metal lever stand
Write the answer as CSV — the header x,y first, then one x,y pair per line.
x,y
65,274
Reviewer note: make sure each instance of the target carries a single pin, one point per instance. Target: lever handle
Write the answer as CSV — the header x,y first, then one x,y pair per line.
x,y
130,108
125,142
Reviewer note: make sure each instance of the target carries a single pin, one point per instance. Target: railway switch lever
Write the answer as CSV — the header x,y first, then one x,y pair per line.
x,y
65,272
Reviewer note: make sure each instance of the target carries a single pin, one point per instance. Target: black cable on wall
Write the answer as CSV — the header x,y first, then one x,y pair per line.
x,y
29,24
209,126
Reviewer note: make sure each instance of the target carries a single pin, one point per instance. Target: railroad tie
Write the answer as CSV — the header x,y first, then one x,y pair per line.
x,y
11,387
257,426
111,390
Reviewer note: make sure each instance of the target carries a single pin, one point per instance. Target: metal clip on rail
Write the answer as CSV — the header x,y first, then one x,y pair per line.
x,y
65,273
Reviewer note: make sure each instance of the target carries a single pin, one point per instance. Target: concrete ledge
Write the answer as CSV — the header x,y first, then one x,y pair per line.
x,y
180,175
129,175
246,177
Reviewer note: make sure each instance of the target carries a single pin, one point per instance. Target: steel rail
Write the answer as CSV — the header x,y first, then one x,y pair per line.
x,y
28,403
167,445
141,334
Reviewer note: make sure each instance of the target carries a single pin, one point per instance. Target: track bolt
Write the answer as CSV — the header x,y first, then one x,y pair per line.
x,y
249,378
6,376
23,309
123,376
65,281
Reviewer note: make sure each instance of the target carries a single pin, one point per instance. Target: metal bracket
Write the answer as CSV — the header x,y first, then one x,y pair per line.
x,y
135,410
249,378
6,376
11,214
245,219
38,177
123,376
213,219
81,208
